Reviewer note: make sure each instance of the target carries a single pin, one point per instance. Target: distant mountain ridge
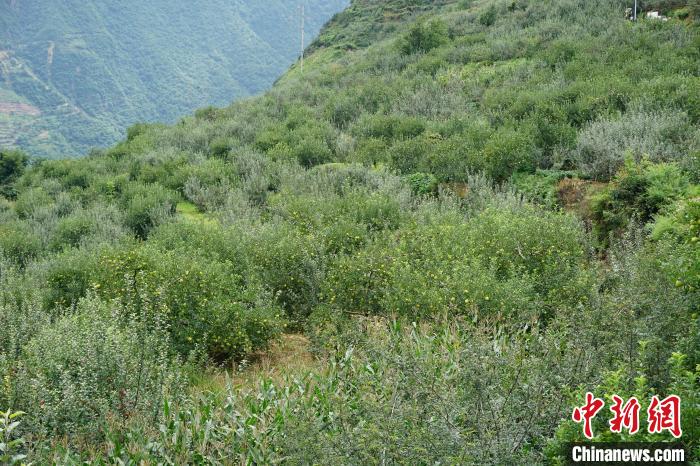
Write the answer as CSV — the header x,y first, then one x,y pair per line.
x,y
74,74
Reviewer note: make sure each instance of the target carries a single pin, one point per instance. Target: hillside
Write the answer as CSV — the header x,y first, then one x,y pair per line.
x,y
425,247
74,75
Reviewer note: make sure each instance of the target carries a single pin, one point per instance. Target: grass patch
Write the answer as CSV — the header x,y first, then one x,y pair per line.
x,y
190,212
289,356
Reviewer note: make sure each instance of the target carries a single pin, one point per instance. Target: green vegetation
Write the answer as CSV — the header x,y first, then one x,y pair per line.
x,y
8,444
639,192
12,165
424,37
475,212
74,75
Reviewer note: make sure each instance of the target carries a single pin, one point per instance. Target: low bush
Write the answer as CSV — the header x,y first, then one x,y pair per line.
x,y
513,266
31,201
424,36
370,152
622,383
290,266
146,206
22,316
211,240
12,165
208,306
70,231
540,187
489,16
509,151
310,152
389,413
68,276
344,237
103,362
604,145
407,156
423,183
678,232
377,211
388,127
397,201
639,191
18,243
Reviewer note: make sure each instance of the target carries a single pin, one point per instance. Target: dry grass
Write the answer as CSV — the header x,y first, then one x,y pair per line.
x,y
575,195
460,189
288,356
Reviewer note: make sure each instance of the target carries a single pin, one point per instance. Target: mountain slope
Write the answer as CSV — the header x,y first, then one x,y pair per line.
x,y
90,69
502,89
475,211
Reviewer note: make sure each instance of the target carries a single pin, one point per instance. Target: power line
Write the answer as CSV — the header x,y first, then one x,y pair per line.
x,y
303,21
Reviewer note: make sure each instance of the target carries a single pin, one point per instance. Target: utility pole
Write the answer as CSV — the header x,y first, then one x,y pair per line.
x,y
634,13
303,21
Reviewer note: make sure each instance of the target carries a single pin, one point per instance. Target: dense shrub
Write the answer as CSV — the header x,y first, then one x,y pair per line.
x,y
389,411
68,276
694,7
454,157
356,284
12,164
639,191
378,211
604,144
70,230
389,127
68,173
679,233
209,239
18,242
508,151
499,264
98,224
208,305
423,183
553,130
345,202
424,36
289,265
100,363
548,245
407,156
344,237
664,5
684,383
22,316
309,145
489,16
221,147
31,200
370,151
540,187
342,110
664,357
146,206
311,152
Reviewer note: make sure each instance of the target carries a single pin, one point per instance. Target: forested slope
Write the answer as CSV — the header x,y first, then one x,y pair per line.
x,y
87,70
475,212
